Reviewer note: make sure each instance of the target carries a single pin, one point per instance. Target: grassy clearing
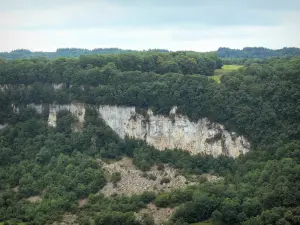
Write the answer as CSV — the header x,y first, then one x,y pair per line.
x,y
231,67
218,73
216,78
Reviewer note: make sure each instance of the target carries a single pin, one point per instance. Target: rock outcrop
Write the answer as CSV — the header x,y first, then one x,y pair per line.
x,y
174,131
2,126
133,181
171,132
77,110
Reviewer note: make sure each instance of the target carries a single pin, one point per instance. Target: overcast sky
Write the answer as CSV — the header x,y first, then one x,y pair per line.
x,y
200,25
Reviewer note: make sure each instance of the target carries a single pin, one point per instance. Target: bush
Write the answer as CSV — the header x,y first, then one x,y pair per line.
x,y
108,218
152,177
160,167
147,197
115,177
147,219
165,180
202,179
162,200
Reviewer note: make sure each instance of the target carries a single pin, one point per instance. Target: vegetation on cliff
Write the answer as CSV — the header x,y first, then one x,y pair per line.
x,y
58,166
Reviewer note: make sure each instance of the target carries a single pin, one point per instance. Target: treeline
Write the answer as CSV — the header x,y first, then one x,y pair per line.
x,y
61,52
247,52
256,52
66,52
80,70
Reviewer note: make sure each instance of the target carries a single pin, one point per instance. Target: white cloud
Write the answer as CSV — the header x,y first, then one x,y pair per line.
x,y
203,39
93,24
62,17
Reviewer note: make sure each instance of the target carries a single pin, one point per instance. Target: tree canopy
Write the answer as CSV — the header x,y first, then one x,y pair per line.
x,y
57,166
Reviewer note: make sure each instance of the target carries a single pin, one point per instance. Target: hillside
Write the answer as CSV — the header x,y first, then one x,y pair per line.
x,y
225,70
257,52
225,53
116,159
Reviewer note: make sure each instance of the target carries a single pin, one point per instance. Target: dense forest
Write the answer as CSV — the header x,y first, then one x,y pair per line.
x,y
260,101
224,53
65,52
28,71
257,52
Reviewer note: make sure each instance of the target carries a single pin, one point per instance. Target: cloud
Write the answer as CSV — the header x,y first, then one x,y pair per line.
x,y
176,25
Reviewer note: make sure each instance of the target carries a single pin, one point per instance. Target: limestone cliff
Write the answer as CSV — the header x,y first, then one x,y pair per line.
x,y
2,126
77,110
173,131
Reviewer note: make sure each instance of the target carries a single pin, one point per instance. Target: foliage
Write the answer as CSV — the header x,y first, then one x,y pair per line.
x,y
225,70
97,69
115,177
121,206
257,52
165,180
260,101
48,164
116,218
61,52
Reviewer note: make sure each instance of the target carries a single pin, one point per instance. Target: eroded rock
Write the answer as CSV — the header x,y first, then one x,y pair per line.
x,y
171,132
134,181
174,131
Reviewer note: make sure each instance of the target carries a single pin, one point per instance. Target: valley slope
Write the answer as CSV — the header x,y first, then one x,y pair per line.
x,y
69,125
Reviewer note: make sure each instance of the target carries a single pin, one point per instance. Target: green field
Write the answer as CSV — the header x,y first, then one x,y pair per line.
x,y
231,67
225,70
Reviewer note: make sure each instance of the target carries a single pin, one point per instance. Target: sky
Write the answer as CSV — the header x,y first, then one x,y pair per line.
x,y
198,25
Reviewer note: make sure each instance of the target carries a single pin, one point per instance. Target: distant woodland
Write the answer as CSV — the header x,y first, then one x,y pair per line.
x,y
226,53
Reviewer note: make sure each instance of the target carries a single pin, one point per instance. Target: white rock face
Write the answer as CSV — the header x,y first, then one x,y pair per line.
x,y
3,87
2,126
175,131
171,132
77,110
38,107
57,86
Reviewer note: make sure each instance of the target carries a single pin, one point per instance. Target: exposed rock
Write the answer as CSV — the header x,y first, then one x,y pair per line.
x,y
2,126
77,110
16,189
38,107
58,86
213,178
160,215
4,87
173,131
15,108
68,219
82,202
34,199
134,181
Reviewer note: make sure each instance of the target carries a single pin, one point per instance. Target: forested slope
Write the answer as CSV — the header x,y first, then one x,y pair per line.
x,y
260,101
61,52
257,52
247,52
